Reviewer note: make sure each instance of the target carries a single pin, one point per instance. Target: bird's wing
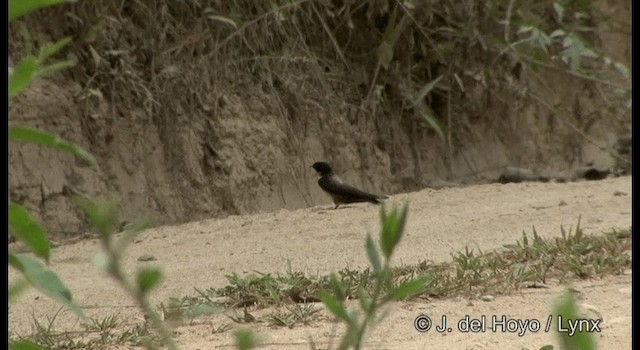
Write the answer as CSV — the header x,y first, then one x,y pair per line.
x,y
344,190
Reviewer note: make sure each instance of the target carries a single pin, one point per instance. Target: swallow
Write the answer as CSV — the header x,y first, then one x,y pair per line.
x,y
340,192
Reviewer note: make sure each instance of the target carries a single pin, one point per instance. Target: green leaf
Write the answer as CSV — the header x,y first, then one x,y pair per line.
x,y
525,29
19,8
426,89
559,11
392,227
408,288
206,309
44,280
24,345
44,138
385,50
335,306
245,339
50,49
566,307
148,278
365,301
542,39
574,51
52,68
433,123
102,261
557,33
547,347
139,225
17,288
390,31
387,230
537,37
131,231
27,230
337,287
102,214
22,75
385,54
372,254
350,339
622,69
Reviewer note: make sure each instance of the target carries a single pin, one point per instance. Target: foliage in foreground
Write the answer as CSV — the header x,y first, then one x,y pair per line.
x,y
102,215
293,297
22,226
530,260
372,306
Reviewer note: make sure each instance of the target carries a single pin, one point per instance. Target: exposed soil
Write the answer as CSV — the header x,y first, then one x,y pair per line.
x,y
183,131
218,132
319,240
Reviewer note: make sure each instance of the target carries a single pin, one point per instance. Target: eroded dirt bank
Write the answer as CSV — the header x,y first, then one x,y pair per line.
x,y
191,118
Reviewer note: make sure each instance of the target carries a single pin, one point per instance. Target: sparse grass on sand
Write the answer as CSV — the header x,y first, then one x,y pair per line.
x,y
292,299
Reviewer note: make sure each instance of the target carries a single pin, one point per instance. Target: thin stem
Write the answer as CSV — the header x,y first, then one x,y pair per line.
x,y
369,313
115,269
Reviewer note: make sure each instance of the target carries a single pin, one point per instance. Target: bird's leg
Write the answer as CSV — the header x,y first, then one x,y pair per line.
x,y
337,205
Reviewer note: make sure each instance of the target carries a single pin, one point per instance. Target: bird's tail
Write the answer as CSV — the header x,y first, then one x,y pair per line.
x,y
380,199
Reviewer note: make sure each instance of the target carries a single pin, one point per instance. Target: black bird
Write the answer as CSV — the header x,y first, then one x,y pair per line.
x,y
340,192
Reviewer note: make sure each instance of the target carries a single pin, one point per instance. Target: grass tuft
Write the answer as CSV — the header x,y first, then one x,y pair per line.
x,y
293,297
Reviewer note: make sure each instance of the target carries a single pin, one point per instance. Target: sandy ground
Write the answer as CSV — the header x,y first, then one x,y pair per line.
x,y
319,239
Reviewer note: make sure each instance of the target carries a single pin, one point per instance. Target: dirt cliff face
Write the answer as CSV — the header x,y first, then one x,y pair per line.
x,y
194,119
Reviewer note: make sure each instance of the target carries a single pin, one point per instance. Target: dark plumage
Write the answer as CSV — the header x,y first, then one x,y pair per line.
x,y
340,192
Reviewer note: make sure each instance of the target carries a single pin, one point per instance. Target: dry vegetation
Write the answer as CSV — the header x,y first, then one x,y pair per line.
x,y
439,66
195,109
292,299
441,69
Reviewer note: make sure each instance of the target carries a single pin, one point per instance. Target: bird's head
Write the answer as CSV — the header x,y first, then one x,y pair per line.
x,y
322,168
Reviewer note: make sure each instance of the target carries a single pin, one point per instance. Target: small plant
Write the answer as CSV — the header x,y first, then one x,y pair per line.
x,y
190,307
372,306
469,273
102,215
94,333
22,225
300,313
566,311
245,339
531,259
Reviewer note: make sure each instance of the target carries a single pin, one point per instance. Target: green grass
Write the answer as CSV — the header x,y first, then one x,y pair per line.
x,y
532,259
299,314
96,333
